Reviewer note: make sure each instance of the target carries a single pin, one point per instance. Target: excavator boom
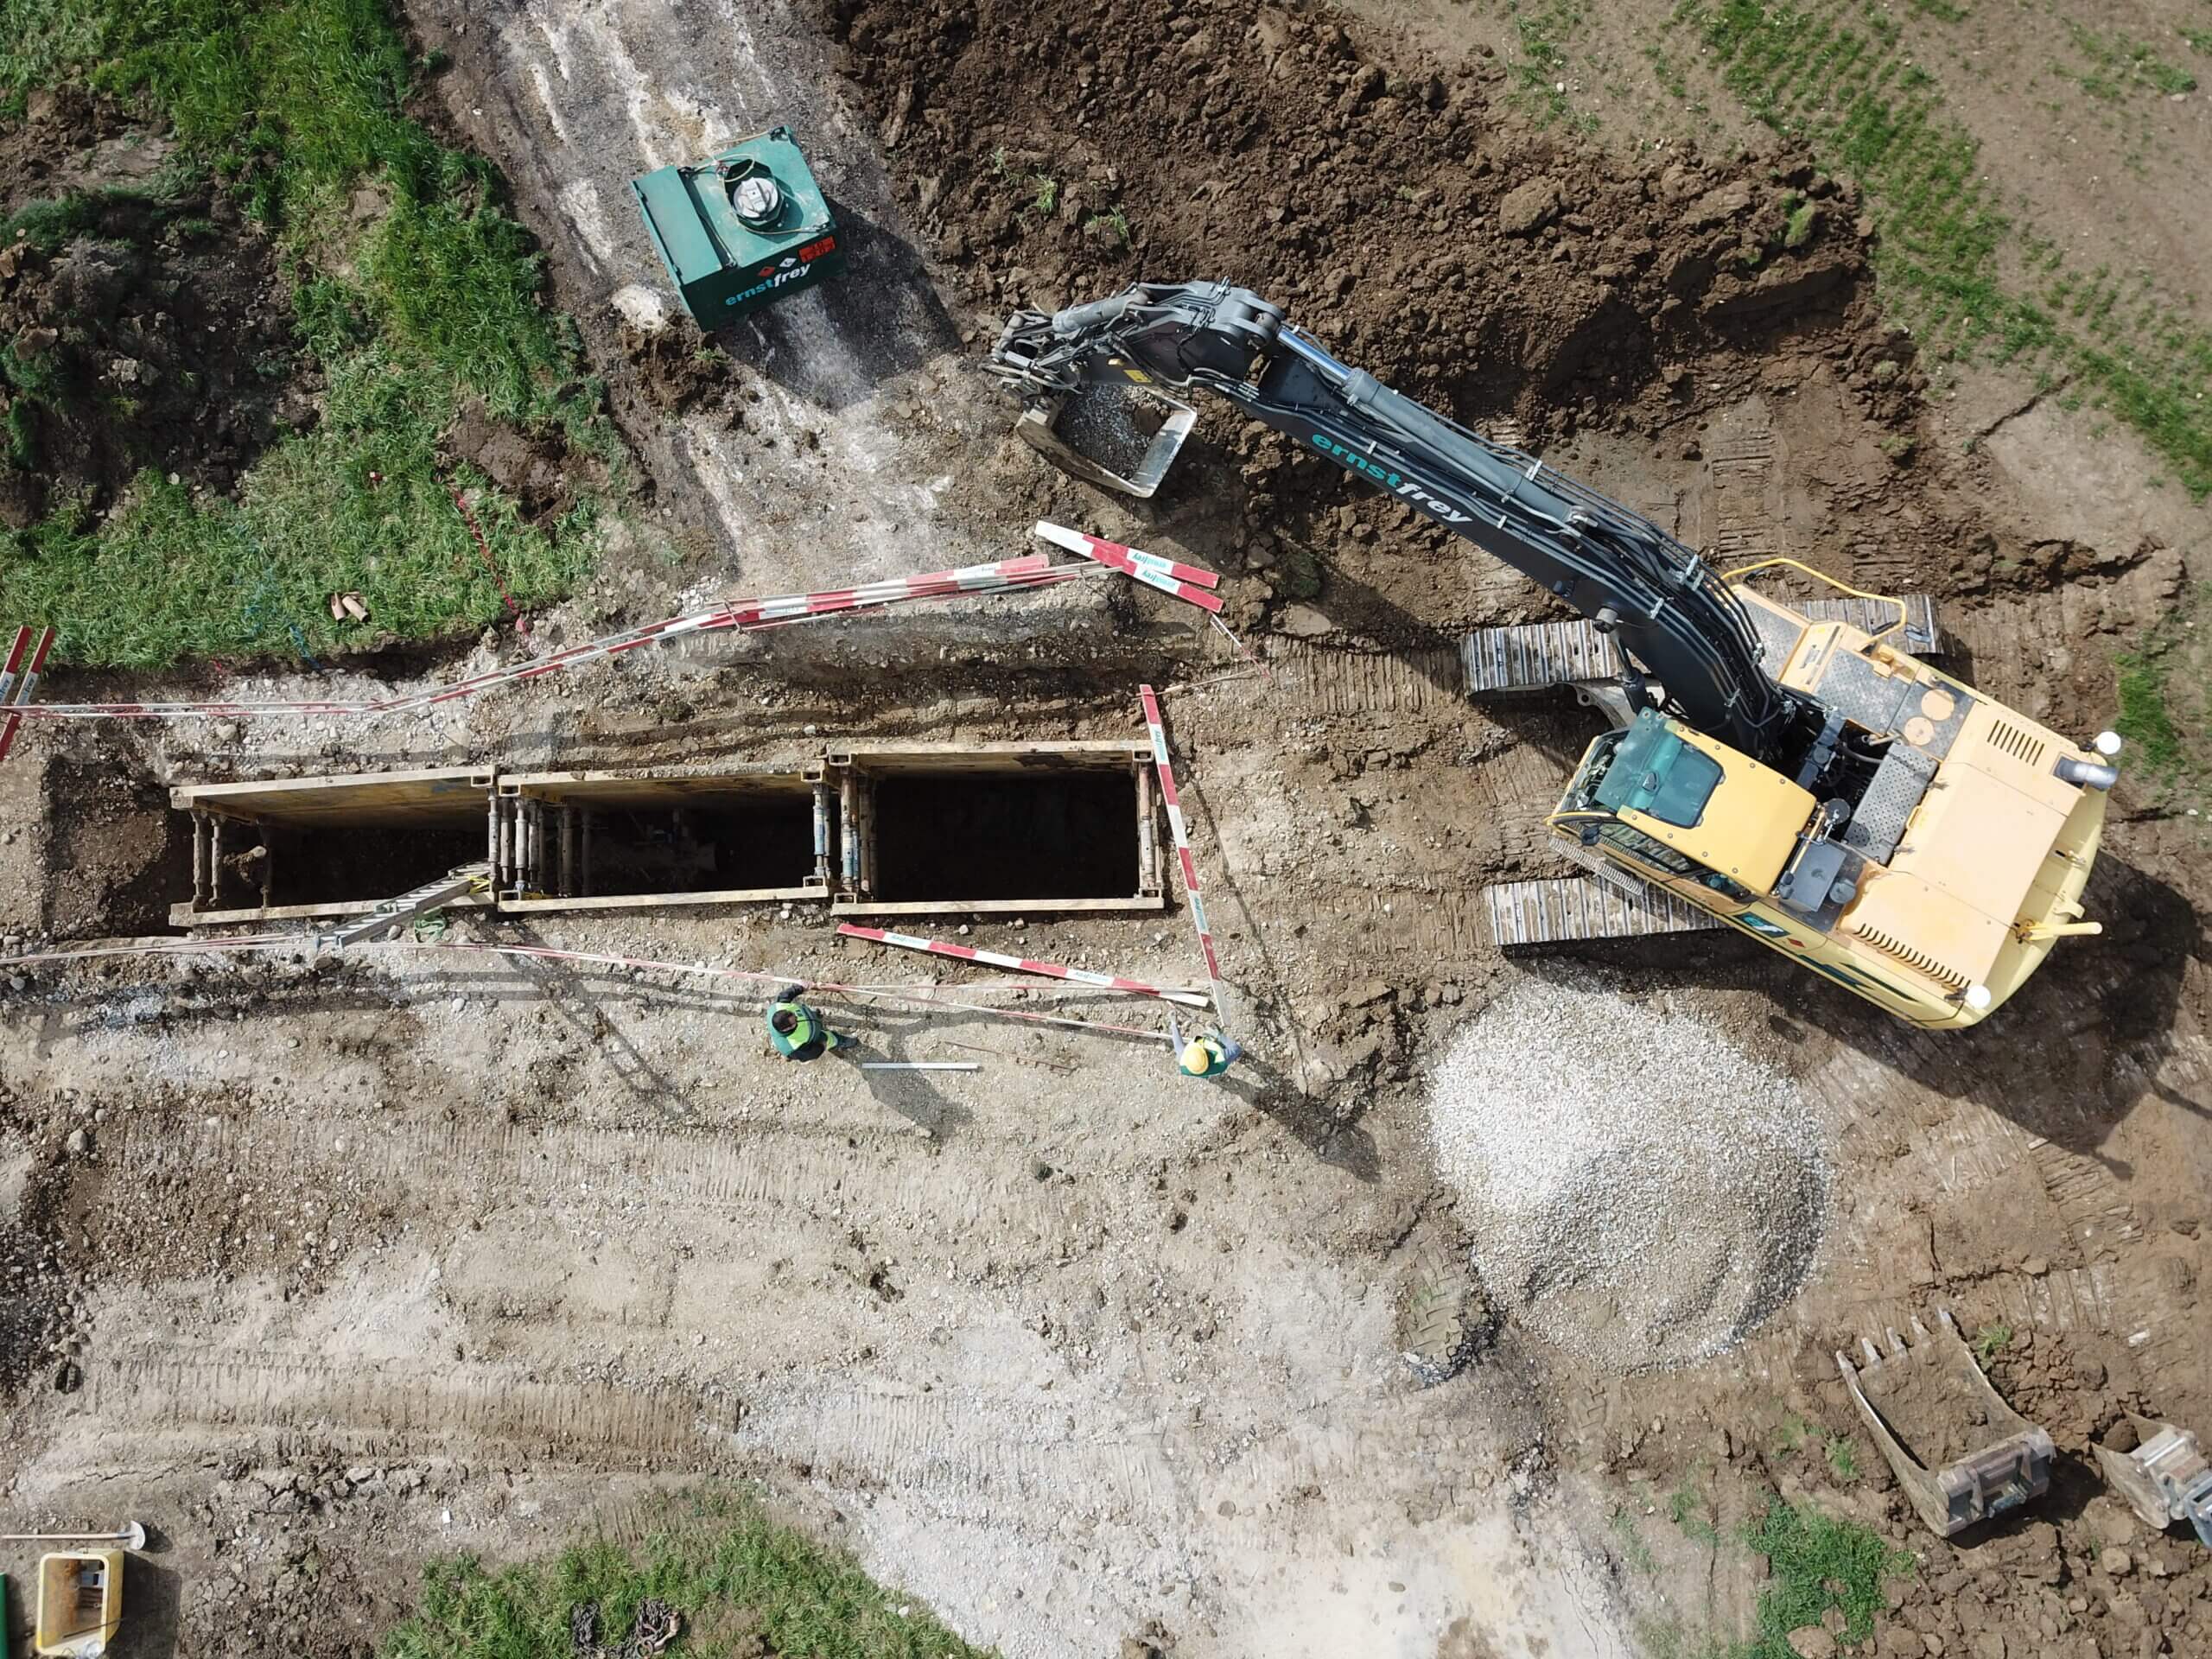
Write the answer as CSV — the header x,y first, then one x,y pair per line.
x,y
1673,615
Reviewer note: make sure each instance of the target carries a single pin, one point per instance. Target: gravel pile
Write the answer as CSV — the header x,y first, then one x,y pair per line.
x,y
1638,1191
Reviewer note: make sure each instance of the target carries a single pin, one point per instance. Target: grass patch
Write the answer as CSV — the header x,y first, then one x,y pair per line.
x,y
1539,73
1634,1550
2115,64
1112,225
297,106
1836,74
1816,1562
1688,1508
1843,1461
1989,1341
2164,684
737,1577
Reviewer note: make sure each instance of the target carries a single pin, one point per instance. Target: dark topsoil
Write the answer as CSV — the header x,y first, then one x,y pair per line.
x,y
1496,270
145,323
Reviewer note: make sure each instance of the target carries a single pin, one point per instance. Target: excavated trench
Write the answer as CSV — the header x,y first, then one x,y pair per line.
x,y
1066,835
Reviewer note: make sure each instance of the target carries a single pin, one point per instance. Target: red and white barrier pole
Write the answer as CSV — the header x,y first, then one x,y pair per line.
x,y
1186,581
1173,801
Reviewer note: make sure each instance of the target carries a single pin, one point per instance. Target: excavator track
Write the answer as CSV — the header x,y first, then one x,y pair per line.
x,y
1568,909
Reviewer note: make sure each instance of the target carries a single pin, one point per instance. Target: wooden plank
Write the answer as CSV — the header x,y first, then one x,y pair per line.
x,y
656,900
996,757
433,792
184,916
994,906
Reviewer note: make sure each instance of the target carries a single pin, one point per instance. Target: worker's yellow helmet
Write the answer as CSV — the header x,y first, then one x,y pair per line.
x,y
1197,1057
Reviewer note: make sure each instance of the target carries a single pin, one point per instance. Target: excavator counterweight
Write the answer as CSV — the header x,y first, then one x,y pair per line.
x,y
1807,782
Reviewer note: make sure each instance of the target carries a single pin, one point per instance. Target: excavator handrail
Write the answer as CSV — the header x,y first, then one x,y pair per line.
x,y
1903,612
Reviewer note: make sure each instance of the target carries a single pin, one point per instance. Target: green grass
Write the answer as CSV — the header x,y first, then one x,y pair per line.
x,y
1688,1510
2115,64
1636,1553
295,106
1539,73
1113,225
1843,1462
1814,1562
1989,1341
2165,700
1045,197
737,1577
1952,263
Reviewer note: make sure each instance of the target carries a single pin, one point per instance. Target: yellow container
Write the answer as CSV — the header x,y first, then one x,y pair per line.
x,y
80,1603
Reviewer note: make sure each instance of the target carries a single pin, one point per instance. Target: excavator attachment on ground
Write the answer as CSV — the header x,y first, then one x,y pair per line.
x,y
1961,1454
1803,779
2164,1479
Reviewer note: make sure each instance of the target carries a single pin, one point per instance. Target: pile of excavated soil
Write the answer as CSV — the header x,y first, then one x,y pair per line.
x,y
1638,1191
145,323
1057,152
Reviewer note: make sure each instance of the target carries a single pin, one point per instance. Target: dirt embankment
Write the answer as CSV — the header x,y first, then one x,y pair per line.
x,y
1505,275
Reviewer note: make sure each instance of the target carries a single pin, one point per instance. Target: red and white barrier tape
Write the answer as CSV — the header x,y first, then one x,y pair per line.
x,y
1186,581
921,995
745,615
1173,801
1023,964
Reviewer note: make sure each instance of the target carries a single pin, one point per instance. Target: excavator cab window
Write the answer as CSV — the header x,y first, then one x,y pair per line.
x,y
1660,856
1658,771
1581,794
1644,850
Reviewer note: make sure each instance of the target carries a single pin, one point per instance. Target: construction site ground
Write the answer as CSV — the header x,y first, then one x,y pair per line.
x,y
327,1267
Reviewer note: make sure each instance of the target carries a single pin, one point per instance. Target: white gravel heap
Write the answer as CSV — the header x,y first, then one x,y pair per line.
x,y
1639,1191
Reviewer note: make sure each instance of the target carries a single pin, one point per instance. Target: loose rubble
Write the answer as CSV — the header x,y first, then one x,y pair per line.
x,y
1638,1191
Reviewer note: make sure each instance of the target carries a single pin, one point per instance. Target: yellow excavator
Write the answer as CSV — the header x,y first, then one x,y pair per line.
x,y
1805,781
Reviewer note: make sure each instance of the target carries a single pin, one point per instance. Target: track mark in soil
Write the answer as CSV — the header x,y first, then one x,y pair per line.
x,y
584,1424
1315,679
923,1446
767,1172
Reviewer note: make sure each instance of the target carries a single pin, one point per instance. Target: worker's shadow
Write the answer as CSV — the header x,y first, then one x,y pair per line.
x,y
909,1094
1345,1146
835,344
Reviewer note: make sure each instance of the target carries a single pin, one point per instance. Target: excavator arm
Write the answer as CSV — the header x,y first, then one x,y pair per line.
x,y
1674,617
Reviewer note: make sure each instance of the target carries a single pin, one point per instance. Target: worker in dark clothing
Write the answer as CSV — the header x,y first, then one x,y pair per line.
x,y
797,1031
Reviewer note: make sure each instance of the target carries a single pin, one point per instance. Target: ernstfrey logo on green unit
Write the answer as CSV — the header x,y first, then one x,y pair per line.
x,y
1396,482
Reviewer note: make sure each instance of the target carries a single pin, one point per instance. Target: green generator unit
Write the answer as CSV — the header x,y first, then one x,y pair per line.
x,y
742,230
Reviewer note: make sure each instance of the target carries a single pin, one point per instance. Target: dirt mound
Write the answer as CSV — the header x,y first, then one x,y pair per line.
x,y
1368,188
142,328
142,321
1507,275
1638,1191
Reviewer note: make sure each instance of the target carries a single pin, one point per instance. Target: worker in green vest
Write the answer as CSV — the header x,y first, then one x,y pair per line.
x,y
1209,1056
797,1031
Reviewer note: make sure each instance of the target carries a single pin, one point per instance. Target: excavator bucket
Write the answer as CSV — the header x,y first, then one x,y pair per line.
x,y
1961,1454
2164,1479
1118,438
